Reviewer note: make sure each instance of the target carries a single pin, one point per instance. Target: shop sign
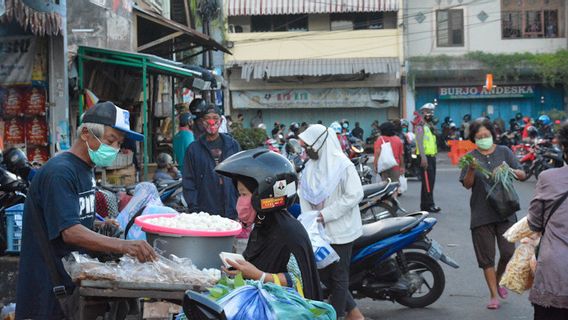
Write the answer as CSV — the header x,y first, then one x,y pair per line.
x,y
16,59
480,92
316,98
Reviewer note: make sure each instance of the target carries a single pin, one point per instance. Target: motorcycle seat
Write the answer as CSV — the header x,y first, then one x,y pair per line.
x,y
373,188
382,229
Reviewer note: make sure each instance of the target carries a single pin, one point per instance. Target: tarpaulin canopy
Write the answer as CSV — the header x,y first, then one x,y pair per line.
x,y
274,7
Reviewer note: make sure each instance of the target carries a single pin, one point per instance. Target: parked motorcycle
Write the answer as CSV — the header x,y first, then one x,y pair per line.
x,y
395,260
364,171
380,202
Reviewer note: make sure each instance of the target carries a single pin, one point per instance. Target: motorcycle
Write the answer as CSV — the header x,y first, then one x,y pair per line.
x,y
364,171
547,157
380,202
392,258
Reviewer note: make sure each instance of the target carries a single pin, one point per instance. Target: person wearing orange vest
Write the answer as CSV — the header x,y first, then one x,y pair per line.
x,y
427,149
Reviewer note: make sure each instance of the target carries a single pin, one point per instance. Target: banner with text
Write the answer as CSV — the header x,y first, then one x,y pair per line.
x,y
316,98
479,92
16,59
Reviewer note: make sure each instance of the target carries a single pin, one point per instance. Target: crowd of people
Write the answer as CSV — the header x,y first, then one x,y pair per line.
x,y
219,179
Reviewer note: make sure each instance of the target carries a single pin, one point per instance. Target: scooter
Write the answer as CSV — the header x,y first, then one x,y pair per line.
x,y
395,260
380,202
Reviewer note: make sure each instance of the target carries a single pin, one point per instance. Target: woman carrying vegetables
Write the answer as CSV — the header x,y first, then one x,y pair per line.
x,y
279,249
480,168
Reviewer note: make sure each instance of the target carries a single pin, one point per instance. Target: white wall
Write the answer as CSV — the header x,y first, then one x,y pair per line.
x,y
478,35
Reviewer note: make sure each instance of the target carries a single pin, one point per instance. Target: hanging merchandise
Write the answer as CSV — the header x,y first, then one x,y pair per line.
x,y
34,102
38,154
14,132
36,131
13,102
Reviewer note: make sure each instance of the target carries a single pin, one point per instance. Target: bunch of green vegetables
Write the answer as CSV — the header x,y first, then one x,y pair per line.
x,y
469,161
503,174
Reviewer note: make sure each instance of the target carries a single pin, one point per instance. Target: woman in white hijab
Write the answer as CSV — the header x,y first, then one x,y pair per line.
x,y
330,184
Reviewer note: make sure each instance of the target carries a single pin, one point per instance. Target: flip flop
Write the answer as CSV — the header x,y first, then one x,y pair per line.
x,y
493,304
503,292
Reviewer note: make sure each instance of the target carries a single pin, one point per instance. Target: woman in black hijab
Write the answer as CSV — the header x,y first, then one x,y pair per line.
x,y
279,249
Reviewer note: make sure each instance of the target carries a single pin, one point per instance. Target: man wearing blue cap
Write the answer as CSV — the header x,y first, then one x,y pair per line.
x,y
59,215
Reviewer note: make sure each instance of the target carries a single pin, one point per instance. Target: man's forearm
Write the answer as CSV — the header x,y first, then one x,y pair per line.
x,y
82,237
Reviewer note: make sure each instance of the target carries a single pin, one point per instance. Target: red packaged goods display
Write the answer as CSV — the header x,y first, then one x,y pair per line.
x,y
13,105
14,132
38,154
36,131
34,102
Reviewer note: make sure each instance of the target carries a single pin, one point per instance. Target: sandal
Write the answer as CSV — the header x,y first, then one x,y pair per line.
x,y
503,292
493,304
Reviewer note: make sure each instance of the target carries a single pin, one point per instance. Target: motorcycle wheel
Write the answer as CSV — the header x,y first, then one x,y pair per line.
x,y
433,276
378,212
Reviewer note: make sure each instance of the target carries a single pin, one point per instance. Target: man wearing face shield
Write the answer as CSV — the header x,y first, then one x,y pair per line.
x,y
330,184
203,189
61,201
427,149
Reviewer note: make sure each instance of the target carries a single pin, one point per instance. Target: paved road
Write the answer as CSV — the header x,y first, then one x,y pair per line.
x,y
466,293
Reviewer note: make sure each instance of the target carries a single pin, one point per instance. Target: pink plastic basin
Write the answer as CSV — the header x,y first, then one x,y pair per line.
x,y
152,228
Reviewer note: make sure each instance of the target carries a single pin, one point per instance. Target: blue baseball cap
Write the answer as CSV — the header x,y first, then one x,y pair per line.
x,y
108,114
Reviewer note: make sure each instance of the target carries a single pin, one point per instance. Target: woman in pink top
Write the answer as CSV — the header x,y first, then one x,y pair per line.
x,y
388,134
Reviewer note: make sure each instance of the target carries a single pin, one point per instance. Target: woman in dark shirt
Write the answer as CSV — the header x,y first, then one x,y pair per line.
x,y
487,227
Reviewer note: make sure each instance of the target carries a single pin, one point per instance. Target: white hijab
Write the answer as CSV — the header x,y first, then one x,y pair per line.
x,y
321,177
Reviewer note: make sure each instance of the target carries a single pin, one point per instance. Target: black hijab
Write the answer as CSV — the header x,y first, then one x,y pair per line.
x,y
274,239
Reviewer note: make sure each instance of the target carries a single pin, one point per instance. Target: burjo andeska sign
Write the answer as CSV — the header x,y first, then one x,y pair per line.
x,y
479,92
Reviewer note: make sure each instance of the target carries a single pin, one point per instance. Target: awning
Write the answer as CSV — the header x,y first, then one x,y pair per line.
x,y
260,69
178,30
273,7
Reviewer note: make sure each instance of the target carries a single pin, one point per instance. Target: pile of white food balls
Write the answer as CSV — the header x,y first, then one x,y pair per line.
x,y
201,221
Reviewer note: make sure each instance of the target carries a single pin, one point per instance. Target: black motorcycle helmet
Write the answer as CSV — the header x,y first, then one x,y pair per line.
x,y
275,177
294,127
532,132
197,107
15,160
467,117
519,116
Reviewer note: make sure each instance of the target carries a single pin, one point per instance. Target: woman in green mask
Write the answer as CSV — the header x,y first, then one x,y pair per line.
x,y
487,227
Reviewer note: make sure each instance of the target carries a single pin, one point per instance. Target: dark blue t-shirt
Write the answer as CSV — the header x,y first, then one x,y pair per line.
x,y
63,194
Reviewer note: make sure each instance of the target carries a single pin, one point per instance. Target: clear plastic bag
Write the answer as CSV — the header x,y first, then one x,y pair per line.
x,y
518,276
83,267
518,231
323,252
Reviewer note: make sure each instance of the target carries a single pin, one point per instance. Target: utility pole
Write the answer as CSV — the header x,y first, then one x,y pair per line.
x,y
207,10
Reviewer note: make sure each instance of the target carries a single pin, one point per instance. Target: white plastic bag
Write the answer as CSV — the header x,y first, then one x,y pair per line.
x,y
403,184
323,252
386,159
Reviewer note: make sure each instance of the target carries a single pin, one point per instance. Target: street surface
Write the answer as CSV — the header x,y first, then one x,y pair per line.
x,y
466,293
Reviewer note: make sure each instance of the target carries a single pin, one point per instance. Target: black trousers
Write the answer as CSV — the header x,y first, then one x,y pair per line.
x,y
551,313
427,198
336,279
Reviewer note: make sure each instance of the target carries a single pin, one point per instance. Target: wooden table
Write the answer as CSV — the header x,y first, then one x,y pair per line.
x,y
95,295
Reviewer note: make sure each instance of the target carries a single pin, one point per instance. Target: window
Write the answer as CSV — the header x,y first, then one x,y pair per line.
x,y
362,20
276,23
449,28
532,18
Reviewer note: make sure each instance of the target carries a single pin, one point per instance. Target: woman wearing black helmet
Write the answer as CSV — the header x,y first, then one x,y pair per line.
x,y
279,248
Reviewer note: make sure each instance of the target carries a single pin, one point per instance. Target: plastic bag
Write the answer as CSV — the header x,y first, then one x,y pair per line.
x,y
505,202
258,300
518,276
83,267
518,231
247,302
403,184
324,253
386,158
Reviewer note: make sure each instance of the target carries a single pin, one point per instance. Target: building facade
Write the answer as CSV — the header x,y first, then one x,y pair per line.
x,y
444,37
305,61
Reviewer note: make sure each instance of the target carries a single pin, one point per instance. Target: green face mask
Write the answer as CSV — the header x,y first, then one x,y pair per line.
x,y
104,156
485,143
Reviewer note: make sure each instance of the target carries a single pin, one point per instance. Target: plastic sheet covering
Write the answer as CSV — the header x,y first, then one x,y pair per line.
x,y
518,276
167,271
